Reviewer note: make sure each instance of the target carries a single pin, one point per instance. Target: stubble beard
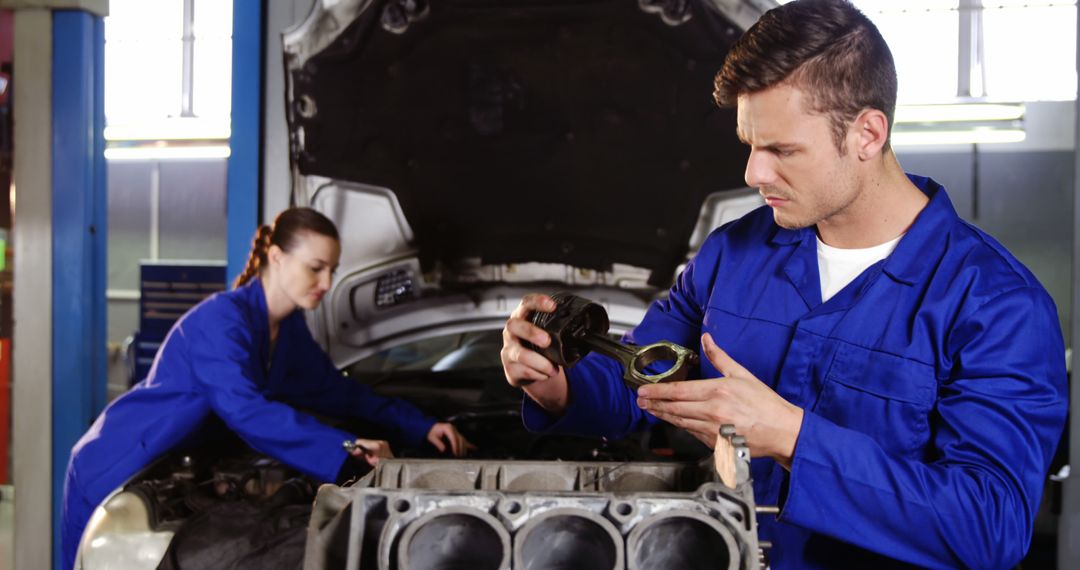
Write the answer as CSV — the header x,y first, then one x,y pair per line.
x,y
811,219
790,222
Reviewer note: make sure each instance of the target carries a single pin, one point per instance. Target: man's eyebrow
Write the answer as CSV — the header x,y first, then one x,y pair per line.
x,y
782,146
773,146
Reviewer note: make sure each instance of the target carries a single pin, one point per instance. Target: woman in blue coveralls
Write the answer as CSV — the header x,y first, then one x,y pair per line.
x,y
247,357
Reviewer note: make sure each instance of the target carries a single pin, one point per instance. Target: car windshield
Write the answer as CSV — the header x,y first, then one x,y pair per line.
x,y
470,351
454,352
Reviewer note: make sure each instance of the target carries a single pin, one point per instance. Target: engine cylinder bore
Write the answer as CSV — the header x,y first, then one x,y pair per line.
x,y
681,539
568,538
455,538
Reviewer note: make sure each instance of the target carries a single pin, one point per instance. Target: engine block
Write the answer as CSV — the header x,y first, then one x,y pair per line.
x,y
533,515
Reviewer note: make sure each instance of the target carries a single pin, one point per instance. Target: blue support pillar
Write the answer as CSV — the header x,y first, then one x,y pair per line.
x,y
100,234
245,142
78,234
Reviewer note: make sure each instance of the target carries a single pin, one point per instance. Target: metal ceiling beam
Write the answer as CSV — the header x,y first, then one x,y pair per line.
x,y
743,13
95,7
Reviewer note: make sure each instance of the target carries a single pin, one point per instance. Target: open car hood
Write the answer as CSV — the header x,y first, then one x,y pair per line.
x,y
471,150
575,132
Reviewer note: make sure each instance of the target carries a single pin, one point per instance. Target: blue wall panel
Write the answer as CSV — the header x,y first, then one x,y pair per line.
x,y
78,226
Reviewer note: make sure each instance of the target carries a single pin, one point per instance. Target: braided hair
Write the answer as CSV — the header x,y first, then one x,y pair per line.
x,y
284,233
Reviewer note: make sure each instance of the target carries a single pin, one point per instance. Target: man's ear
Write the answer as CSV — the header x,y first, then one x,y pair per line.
x,y
872,130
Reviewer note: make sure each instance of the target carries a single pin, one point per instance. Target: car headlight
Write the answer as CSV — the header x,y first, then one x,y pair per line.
x,y
119,537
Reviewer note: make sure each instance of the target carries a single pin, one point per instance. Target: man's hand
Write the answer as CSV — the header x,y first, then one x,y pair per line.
x,y
371,450
769,423
445,432
543,381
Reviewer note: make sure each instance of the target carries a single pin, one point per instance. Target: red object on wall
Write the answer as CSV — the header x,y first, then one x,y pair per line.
x,y
7,43
5,408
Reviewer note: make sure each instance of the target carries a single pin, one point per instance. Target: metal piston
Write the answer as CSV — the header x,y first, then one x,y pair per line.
x,y
578,326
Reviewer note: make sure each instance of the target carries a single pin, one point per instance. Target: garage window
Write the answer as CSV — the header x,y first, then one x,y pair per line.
x,y
985,50
1030,50
168,66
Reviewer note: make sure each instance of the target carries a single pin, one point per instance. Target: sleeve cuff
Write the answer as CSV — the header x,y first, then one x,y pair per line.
x,y
823,451
535,418
351,468
788,501
580,415
415,432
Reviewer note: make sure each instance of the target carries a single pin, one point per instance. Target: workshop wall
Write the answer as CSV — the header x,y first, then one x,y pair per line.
x,y
190,224
1020,193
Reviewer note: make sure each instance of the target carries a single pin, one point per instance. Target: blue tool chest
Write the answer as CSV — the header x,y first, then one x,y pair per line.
x,y
167,289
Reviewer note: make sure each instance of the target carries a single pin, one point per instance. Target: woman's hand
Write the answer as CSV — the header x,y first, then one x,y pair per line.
x,y
371,450
444,432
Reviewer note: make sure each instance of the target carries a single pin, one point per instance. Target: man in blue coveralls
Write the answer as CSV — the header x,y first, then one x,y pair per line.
x,y
898,375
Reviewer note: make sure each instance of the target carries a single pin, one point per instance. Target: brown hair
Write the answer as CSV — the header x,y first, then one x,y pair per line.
x,y
288,225
827,48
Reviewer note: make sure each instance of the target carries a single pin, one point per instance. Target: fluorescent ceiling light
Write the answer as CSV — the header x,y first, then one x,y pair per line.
x,y
972,136
963,112
167,152
959,123
169,129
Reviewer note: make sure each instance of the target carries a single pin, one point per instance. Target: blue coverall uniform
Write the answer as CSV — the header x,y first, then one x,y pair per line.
x,y
933,385
216,360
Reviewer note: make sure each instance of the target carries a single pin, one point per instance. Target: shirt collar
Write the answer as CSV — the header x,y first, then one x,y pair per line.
x,y
784,236
923,240
254,295
252,292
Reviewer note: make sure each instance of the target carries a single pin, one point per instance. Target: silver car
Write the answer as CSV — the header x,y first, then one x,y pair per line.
x,y
471,152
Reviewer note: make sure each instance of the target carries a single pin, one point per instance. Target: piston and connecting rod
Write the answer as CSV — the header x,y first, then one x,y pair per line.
x,y
578,326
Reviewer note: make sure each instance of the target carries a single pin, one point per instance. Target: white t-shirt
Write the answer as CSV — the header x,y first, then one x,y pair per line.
x,y
838,267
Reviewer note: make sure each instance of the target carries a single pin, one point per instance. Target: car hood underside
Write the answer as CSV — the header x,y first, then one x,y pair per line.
x,y
581,133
